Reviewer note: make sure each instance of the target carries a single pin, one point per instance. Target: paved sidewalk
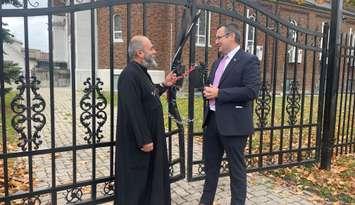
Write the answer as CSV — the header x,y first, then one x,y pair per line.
x,y
261,189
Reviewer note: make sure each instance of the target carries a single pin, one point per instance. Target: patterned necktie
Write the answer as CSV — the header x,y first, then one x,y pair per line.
x,y
217,78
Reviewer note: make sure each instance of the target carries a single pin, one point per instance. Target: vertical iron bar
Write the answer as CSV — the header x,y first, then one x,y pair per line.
x,y
207,40
128,28
256,32
283,102
207,43
93,102
3,115
350,66
51,96
345,81
73,87
300,136
190,129
260,161
352,137
220,16
274,85
28,101
293,96
310,120
112,87
345,50
145,23
323,73
244,29
332,85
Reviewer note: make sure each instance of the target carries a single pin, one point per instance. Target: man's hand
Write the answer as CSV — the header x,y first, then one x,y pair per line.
x,y
210,92
148,147
170,79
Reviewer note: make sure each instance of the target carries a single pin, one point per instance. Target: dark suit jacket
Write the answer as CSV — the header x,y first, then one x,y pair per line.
x,y
238,87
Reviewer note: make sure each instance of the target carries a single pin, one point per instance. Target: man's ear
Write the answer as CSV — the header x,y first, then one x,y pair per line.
x,y
139,52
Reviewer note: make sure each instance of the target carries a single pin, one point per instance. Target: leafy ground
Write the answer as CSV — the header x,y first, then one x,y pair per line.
x,y
336,185
17,171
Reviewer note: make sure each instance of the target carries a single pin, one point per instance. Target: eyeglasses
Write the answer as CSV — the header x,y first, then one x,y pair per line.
x,y
220,37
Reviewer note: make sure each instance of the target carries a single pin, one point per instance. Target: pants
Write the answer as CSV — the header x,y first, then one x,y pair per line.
x,y
214,145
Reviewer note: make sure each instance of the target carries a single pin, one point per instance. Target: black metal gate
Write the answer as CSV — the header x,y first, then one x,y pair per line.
x,y
288,111
69,156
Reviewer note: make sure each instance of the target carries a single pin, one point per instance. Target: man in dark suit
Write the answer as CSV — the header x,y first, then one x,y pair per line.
x,y
234,85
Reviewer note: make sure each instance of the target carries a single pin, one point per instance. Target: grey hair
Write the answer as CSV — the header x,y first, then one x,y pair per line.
x,y
135,44
232,28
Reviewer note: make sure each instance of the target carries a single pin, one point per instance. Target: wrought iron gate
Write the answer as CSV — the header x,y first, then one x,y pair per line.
x,y
79,143
288,111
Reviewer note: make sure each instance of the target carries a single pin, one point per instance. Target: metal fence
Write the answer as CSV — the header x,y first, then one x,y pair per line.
x,y
80,142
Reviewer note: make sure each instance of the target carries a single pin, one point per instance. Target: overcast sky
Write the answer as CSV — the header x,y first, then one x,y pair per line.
x,y
37,28
37,31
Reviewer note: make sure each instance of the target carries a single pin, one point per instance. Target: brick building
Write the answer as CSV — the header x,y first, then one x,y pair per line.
x,y
162,22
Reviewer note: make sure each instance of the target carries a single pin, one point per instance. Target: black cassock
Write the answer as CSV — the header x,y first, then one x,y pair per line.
x,y
143,178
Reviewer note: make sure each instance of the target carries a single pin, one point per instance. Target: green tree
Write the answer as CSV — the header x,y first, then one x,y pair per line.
x,y
11,70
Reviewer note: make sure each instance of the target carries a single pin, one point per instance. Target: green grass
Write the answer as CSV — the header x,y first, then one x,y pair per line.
x,y
10,132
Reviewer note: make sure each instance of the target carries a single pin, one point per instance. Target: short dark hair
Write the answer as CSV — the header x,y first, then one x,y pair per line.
x,y
232,28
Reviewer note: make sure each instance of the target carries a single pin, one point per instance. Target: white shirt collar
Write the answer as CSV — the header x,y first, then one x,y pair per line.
x,y
233,52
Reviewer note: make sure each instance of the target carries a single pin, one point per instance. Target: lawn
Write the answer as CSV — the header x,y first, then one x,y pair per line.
x,y
10,132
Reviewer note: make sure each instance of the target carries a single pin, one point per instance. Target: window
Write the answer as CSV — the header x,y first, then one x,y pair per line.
x,y
117,29
321,40
289,82
291,50
250,34
351,44
201,25
321,43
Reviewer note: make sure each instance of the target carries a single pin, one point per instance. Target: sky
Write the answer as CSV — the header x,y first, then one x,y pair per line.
x,y
37,28
37,31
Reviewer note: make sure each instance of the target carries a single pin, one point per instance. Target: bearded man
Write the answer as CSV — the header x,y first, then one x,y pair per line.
x,y
142,169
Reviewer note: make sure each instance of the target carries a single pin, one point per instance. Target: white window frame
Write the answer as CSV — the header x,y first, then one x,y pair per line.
x,y
288,82
321,40
249,41
117,32
291,50
203,36
351,42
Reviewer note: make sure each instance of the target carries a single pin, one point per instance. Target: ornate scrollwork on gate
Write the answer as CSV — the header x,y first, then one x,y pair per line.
x,y
20,109
32,201
109,188
201,169
224,166
74,195
33,4
38,118
171,170
293,103
100,116
263,107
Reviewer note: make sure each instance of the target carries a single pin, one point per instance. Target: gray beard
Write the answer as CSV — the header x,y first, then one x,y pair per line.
x,y
150,63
